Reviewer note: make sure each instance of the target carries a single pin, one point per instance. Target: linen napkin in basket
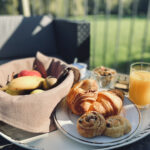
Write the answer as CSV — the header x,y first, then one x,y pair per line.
x,y
32,113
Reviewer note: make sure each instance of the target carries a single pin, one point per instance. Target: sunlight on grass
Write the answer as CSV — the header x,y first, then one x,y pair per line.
x,y
98,24
122,55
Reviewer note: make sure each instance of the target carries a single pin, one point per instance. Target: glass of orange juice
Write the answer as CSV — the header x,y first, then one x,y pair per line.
x,y
139,84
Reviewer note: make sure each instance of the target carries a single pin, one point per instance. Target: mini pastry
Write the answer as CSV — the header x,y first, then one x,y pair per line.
x,y
96,106
91,124
111,102
117,126
82,95
119,93
127,126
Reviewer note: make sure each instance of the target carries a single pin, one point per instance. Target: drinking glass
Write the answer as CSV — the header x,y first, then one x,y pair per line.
x,y
104,82
139,84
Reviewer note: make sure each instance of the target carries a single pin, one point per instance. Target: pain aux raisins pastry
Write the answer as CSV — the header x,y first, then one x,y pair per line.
x,y
117,126
91,124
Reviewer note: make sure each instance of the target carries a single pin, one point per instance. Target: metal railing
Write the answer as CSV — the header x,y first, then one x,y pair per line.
x,y
106,48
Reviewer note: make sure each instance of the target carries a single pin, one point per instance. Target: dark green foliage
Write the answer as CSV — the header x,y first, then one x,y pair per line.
x,y
46,6
9,7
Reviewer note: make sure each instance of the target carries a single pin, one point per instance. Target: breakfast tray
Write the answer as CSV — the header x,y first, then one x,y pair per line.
x,y
28,140
24,139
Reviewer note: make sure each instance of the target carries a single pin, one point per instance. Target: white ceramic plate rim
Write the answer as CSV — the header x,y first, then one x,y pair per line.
x,y
130,141
98,143
25,145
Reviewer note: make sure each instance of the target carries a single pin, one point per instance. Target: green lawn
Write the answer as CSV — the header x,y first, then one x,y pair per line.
x,y
121,57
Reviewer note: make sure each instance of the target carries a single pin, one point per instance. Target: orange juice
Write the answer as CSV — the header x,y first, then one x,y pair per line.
x,y
139,88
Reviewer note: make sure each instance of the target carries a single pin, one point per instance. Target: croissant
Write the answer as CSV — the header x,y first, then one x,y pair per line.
x,y
91,124
111,103
119,93
84,97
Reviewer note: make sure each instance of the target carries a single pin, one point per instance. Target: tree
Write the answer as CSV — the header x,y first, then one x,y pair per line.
x,y
9,7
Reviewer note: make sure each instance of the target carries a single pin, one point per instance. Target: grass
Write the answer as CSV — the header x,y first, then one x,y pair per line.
x,y
117,59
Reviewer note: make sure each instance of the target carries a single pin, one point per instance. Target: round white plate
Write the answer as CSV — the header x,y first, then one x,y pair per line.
x,y
66,122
